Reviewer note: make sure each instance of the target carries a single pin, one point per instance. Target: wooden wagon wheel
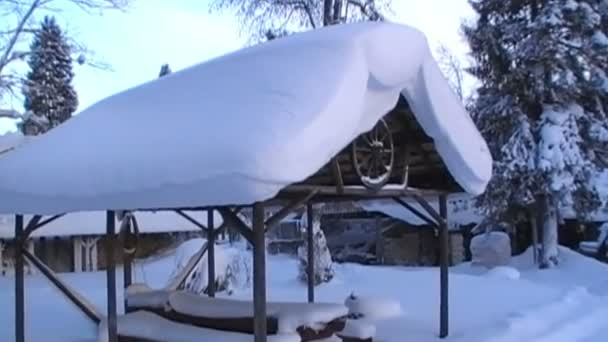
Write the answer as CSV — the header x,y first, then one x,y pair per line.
x,y
373,156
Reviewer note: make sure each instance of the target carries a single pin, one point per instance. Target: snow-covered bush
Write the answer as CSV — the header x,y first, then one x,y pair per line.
x,y
323,265
491,249
233,267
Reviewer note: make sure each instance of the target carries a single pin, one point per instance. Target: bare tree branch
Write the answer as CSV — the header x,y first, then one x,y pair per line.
x,y
10,114
258,17
452,68
13,40
22,14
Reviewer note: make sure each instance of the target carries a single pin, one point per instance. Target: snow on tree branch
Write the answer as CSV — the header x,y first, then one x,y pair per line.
x,y
10,114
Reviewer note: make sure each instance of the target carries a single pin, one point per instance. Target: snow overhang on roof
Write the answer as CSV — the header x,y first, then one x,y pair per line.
x,y
241,127
11,140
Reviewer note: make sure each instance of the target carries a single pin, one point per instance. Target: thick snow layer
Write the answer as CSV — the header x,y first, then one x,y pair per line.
x,y
239,128
11,141
153,327
290,315
94,223
359,328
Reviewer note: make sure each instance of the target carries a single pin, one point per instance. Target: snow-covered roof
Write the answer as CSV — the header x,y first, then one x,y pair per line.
x,y
11,140
94,223
241,127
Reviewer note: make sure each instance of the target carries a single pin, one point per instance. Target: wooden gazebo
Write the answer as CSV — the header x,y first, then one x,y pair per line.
x,y
249,130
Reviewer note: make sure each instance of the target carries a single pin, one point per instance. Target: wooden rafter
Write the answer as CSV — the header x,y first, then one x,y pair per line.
x,y
429,209
231,218
288,209
191,220
415,211
29,228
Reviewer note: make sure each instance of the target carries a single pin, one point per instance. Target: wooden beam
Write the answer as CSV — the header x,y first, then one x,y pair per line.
x,y
361,191
444,261
429,209
235,222
19,281
415,211
111,277
310,268
289,208
210,254
48,220
29,228
81,302
337,174
259,274
192,220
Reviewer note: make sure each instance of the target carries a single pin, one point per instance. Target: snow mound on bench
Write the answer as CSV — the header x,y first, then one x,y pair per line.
x,y
373,307
289,315
147,325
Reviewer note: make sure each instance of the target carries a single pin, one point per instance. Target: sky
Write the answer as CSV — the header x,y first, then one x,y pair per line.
x,y
182,33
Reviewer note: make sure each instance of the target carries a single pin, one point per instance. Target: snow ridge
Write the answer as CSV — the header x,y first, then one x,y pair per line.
x,y
574,316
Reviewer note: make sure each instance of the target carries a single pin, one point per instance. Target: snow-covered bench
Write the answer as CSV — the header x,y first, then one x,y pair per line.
x,y
595,247
310,321
142,326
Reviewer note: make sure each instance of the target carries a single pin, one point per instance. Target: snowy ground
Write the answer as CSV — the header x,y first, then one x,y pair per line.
x,y
566,304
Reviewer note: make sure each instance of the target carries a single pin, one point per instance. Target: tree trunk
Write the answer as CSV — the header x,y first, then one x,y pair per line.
x,y
550,236
327,6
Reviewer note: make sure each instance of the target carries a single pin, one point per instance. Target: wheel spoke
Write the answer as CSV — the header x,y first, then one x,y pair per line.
x,y
373,155
364,149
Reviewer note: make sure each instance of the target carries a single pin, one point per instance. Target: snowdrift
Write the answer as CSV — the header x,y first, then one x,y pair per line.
x,y
239,128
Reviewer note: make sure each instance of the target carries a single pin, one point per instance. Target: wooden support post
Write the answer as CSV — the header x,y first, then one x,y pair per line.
x,y
19,282
111,276
310,263
259,274
443,259
129,248
211,235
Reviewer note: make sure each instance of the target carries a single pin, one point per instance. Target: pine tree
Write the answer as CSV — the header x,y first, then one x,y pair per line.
x,y
49,95
165,69
323,265
541,105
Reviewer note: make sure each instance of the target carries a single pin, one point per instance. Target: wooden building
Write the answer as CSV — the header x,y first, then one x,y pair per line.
x,y
74,243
